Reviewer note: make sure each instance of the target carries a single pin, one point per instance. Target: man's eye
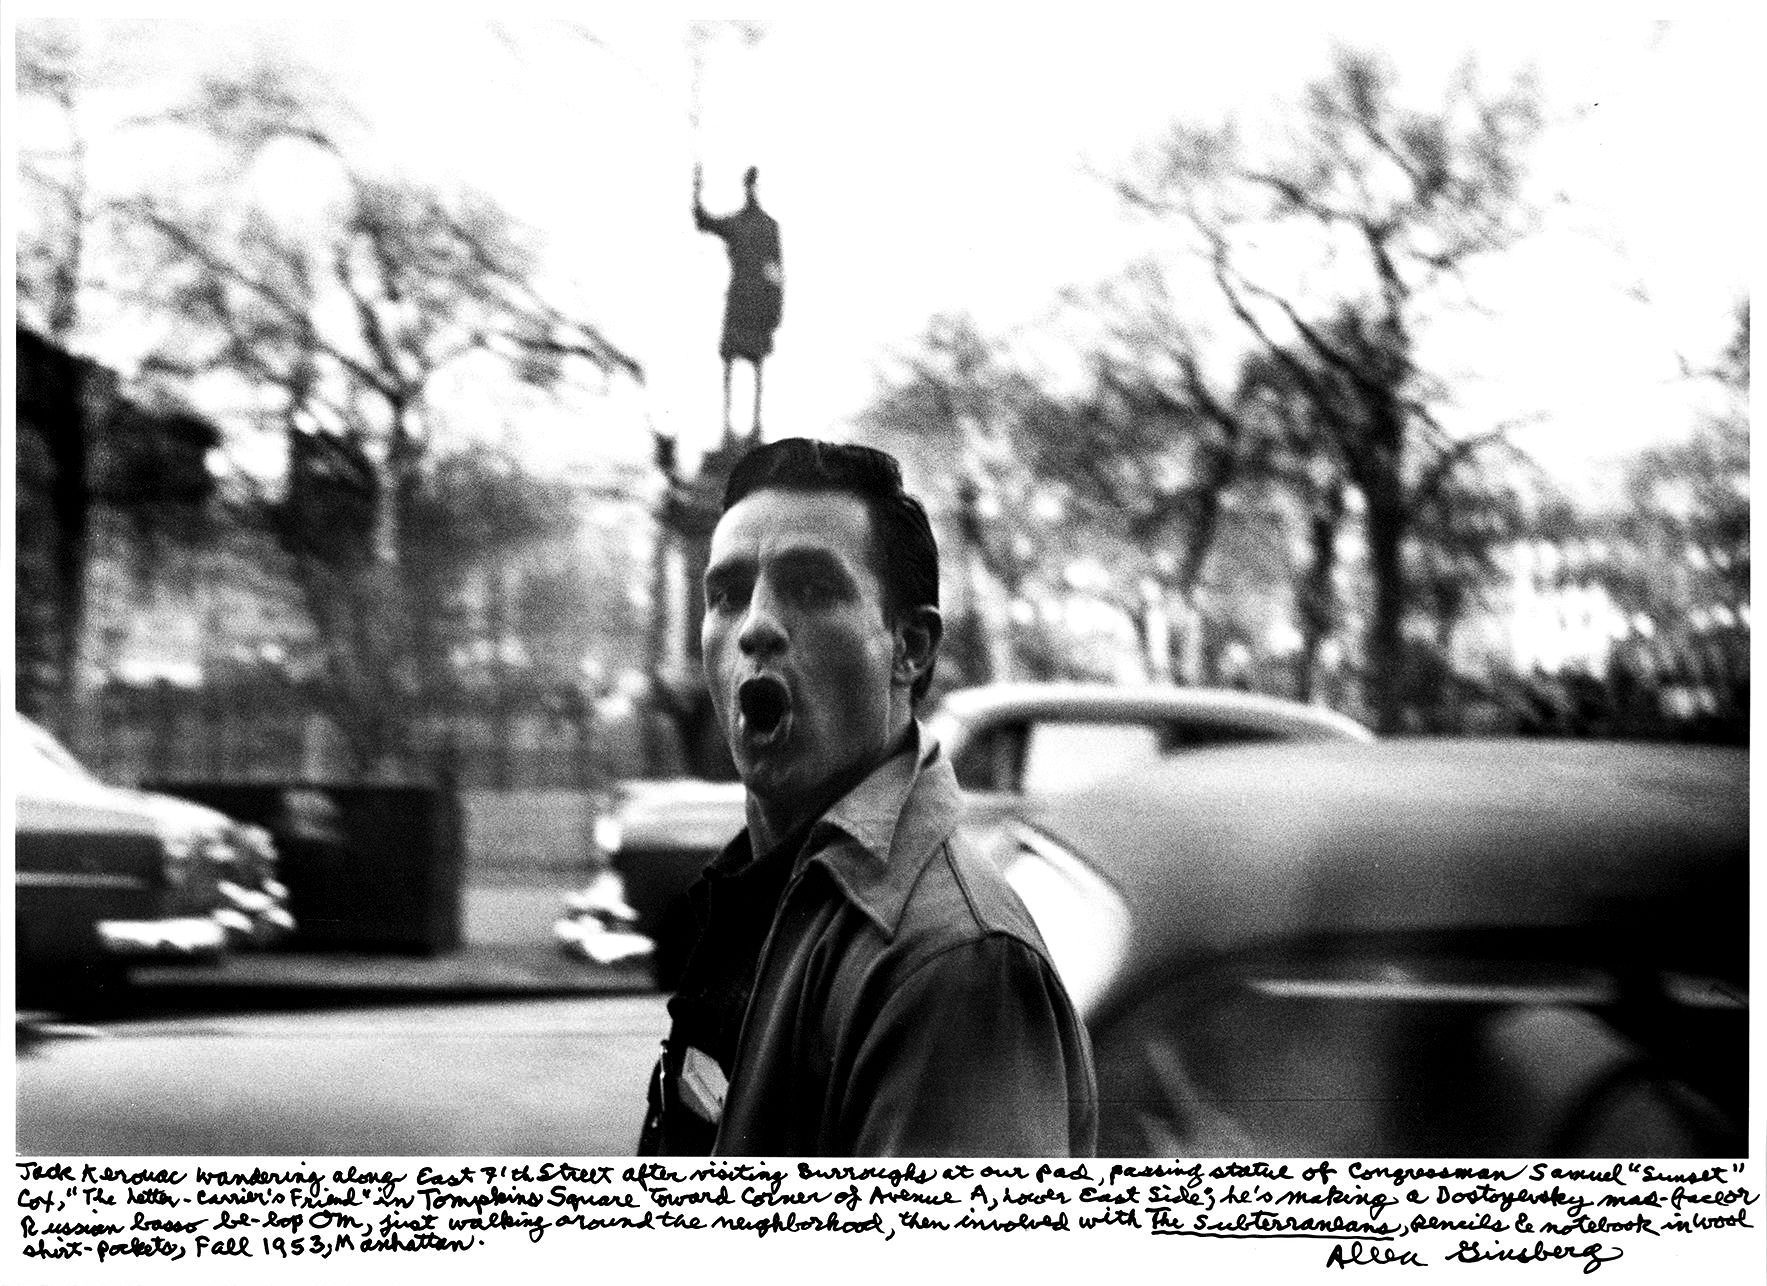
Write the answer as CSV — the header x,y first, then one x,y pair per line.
x,y
720,597
813,590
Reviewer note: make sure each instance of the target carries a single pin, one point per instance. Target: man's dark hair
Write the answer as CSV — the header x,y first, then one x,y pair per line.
x,y
905,554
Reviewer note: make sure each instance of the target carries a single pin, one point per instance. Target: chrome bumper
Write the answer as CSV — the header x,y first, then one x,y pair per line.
x,y
191,936
255,917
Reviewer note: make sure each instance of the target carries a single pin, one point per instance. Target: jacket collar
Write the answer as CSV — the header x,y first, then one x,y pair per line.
x,y
879,836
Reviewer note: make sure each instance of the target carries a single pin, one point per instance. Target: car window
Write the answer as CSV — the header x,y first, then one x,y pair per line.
x,y
1067,756
1199,734
993,759
1051,756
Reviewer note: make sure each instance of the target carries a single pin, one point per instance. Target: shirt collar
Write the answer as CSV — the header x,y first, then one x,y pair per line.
x,y
876,839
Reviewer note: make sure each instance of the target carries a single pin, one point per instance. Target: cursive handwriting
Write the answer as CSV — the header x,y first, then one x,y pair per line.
x,y
1370,1216
1358,1253
1473,1252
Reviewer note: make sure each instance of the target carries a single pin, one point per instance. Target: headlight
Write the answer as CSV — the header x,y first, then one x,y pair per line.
x,y
256,842
256,853
609,834
194,855
180,853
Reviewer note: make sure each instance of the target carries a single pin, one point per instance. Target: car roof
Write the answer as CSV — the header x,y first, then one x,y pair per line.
x,y
1229,848
1095,700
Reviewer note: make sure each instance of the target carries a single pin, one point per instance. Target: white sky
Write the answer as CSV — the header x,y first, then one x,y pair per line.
x,y
924,164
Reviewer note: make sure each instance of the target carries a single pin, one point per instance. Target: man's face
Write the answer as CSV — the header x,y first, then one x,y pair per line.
x,y
799,652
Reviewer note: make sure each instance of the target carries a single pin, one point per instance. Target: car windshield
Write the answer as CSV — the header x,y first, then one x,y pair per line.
x,y
1055,756
1070,755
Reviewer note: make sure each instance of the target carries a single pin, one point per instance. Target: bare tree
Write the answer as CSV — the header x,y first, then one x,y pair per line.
x,y
1151,456
339,334
1395,202
1674,556
52,253
1300,463
964,411
107,470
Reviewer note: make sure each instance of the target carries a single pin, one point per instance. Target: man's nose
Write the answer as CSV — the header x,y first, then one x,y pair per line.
x,y
763,628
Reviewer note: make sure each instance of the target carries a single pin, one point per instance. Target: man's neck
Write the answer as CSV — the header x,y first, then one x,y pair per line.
x,y
772,820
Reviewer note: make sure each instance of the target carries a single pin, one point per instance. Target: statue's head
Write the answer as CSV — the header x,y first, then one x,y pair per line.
x,y
750,177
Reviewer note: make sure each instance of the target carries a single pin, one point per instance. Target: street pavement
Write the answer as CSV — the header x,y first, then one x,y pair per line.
x,y
527,1076
507,949
503,1047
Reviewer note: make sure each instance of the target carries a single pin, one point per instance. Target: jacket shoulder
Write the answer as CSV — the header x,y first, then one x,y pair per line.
x,y
963,897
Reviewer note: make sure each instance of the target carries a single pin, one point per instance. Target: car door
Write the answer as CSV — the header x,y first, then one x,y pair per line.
x,y
1381,1046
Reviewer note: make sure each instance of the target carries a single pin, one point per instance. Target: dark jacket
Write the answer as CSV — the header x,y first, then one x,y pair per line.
x,y
904,1002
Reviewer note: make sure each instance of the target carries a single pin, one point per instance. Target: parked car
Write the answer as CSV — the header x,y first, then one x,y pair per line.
x,y
109,877
1011,744
254,902
1414,948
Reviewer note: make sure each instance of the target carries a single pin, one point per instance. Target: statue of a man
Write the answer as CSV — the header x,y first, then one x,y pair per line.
x,y
756,297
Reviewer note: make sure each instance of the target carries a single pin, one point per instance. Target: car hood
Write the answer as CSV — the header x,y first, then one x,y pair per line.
x,y
181,814
86,812
1636,843
55,801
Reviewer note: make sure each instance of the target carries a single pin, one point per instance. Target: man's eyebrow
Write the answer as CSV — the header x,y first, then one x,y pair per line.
x,y
793,560
807,558
730,569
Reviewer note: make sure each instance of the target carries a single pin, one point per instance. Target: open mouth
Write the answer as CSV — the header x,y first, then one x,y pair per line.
x,y
763,711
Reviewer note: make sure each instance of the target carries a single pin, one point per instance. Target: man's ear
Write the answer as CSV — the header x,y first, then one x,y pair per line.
x,y
917,644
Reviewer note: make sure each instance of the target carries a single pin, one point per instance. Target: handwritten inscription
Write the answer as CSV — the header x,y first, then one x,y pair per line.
x,y
1365,1216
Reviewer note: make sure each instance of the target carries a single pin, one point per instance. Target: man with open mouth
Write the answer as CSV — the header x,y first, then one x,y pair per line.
x,y
863,983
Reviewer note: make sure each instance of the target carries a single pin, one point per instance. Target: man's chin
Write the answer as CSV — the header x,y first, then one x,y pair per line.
x,y
784,784
767,776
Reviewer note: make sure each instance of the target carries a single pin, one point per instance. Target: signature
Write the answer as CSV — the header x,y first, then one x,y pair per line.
x,y
1594,1253
1361,1253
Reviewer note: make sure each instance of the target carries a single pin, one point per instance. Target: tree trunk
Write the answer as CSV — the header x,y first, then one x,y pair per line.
x,y
998,631
1386,518
1384,678
1187,640
503,777
1316,592
1307,666
1155,629
1451,711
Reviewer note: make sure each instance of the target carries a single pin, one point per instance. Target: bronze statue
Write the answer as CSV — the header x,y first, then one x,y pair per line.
x,y
756,297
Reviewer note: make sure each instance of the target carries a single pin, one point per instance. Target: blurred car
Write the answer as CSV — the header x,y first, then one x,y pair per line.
x,y
1011,744
1035,739
600,925
1413,948
253,907
109,877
